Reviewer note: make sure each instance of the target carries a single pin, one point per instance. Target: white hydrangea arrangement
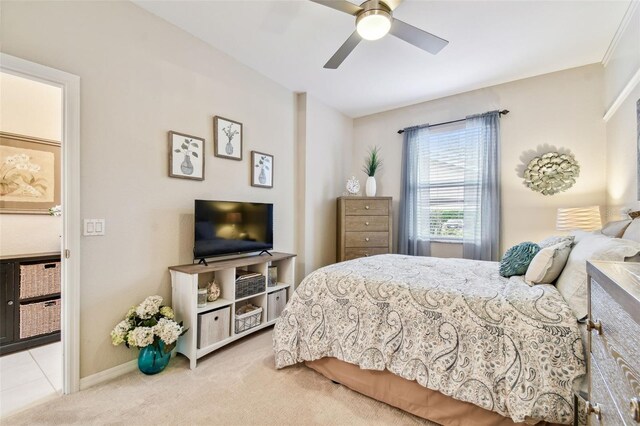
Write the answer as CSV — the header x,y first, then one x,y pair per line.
x,y
149,323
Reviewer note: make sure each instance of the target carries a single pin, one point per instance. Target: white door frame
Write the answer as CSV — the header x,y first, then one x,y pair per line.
x,y
71,224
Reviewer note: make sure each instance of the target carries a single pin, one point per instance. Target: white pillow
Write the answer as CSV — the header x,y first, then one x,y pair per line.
x,y
547,265
572,283
633,231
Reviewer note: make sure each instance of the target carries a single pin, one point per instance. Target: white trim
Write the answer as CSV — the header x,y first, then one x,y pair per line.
x,y
622,96
633,5
109,374
70,85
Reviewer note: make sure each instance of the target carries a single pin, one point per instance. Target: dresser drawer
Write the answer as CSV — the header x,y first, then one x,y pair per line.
x,y
599,395
616,349
354,253
367,223
366,207
366,239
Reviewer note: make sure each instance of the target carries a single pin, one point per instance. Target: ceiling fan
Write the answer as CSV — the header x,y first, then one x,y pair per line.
x,y
374,19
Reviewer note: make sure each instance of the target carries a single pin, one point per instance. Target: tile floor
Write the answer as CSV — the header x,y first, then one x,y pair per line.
x,y
29,377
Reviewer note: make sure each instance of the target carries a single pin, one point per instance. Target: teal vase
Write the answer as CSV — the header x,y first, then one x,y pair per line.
x,y
152,359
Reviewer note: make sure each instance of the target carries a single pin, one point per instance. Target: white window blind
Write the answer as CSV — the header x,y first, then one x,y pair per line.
x,y
444,163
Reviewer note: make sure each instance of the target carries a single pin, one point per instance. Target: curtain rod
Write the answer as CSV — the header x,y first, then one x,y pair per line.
x,y
503,112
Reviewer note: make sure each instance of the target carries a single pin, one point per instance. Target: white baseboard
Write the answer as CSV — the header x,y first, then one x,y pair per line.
x,y
111,373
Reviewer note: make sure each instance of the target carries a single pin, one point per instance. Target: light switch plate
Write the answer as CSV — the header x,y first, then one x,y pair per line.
x,y
93,227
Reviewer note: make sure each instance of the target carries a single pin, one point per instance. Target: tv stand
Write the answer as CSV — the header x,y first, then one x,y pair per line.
x,y
223,322
203,260
265,251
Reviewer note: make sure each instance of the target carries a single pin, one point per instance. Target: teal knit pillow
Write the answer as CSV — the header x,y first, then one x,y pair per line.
x,y
517,259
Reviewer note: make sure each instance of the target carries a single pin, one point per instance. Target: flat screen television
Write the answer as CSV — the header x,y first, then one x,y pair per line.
x,y
231,227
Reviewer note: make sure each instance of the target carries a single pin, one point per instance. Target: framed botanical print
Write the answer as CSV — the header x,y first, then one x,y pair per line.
x,y
186,156
30,174
261,169
227,138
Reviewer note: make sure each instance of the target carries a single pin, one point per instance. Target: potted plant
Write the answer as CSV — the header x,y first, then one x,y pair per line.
x,y
150,327
372,163
186,148
230,134
263,165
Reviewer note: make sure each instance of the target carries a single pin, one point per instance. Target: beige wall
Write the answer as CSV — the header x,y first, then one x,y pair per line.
x,y
140,78
622,127
324,162
562,109
29,108
623,61
622,147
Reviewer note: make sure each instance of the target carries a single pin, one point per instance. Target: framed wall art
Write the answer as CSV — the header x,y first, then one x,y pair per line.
x,y
30,174
261,169
227,138
186,156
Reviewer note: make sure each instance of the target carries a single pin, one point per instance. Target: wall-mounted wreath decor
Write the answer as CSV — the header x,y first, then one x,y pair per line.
x,y
551,173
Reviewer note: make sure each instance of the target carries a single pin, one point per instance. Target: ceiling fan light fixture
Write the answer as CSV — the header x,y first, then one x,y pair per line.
x,y
373,24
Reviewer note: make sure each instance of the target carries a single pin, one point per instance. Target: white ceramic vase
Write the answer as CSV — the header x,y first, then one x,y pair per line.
x,y
370,188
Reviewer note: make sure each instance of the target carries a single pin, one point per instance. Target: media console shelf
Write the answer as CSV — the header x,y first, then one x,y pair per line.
x,y
219,326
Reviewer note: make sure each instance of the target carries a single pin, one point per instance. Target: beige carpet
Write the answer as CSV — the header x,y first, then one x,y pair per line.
x,y
237,385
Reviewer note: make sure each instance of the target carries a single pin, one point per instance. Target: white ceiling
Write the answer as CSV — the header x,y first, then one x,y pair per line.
x,y
491,42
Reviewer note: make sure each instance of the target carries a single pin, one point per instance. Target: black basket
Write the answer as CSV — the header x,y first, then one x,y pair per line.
x,y
249,286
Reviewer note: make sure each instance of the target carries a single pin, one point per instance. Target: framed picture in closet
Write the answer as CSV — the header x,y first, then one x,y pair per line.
x,y
30,174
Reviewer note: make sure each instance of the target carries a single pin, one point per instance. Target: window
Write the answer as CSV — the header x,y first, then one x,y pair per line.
x,y
451,187
441,185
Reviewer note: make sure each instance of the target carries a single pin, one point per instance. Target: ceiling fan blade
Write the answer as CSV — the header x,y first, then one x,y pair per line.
x,y
419,38
341,5
393,4
344,51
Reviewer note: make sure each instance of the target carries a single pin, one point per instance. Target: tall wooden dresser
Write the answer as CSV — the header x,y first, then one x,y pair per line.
x,y
614,343
364,227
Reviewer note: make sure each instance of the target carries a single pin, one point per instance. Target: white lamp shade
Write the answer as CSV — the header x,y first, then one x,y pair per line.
x,y
584,218
373,25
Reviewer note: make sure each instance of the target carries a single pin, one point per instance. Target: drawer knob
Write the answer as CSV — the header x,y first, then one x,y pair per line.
x,y
594,325
278,298
634,405
595,409
366,224
366,239
10,302
366,207
215,319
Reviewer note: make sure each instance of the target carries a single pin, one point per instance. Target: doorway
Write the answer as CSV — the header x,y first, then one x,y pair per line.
x,y
40,247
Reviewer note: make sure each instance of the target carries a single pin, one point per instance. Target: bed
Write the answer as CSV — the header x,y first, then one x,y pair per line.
x,y
450,340
446,339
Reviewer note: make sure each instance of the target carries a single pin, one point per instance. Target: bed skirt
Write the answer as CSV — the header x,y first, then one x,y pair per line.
x,y
408,395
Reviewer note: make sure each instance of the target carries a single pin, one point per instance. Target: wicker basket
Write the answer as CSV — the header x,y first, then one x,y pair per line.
x,y
39,318
249,320
249,286
39,279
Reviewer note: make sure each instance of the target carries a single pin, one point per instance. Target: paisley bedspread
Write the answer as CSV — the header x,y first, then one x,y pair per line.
x,y
453,325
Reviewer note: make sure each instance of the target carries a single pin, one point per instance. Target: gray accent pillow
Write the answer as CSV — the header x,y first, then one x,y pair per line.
x,y
572,283
616,228
548,264
633,231
556,239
